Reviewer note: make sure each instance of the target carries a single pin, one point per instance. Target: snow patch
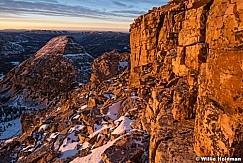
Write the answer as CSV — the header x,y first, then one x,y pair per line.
x,y
109,96
83,107
1,76
15,63
95,156
69,146
54,135
97,129
78,55
76,117
76,128
69,149
56,144
125,125
43,127
86,145
123,64
12,128
114,109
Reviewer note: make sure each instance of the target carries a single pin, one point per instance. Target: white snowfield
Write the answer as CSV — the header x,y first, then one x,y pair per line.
x,y
43,127
69,145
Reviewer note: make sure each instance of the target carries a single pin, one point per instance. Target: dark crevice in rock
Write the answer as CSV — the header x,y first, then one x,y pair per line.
x,y
153,153
160,25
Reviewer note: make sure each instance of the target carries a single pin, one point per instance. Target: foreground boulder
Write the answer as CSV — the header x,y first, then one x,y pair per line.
x,y
128,149
109,65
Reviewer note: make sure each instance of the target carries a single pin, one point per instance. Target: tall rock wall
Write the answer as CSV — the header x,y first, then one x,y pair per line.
x,y
218,129
192,51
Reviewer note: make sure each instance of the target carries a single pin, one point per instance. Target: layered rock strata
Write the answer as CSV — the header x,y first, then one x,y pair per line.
x,y
193,49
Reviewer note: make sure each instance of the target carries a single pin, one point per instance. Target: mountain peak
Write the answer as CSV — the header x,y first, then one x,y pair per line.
x,y
54,69
60,45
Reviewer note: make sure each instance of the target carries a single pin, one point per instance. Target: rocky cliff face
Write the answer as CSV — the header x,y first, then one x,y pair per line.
x,y
193,49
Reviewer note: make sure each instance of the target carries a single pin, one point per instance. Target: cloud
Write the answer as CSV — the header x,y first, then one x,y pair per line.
x,y
22,7
41,8
50,1
132,12
119,4
75,11
122,4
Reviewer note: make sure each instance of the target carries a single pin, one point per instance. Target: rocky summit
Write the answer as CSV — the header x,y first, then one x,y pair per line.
x,y
175,98
54,69
39,82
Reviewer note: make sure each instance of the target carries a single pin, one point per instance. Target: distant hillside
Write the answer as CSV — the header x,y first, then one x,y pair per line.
x,y
16,46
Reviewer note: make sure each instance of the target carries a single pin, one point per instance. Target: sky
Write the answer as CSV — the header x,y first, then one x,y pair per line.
x,y
101,15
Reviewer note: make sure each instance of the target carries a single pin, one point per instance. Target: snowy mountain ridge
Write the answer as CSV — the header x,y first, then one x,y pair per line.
x,y
34,83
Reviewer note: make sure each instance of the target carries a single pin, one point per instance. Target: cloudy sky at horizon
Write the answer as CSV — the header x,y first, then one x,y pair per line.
x,y
113,15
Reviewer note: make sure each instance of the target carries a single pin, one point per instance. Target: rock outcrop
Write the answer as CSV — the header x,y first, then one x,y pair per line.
x,y
95,119
218,129
109,65
194,50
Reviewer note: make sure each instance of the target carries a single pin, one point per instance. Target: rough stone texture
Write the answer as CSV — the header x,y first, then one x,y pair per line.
x,y
77,123
126,150
219,120
193,50
107,66
170,141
